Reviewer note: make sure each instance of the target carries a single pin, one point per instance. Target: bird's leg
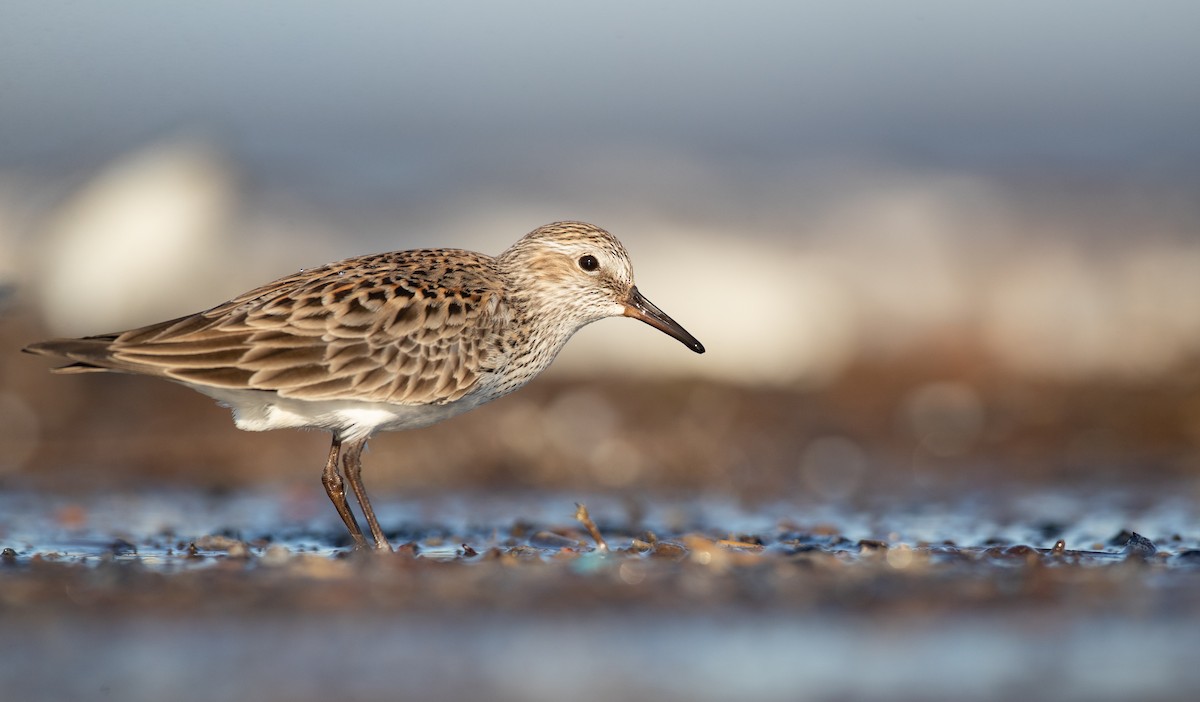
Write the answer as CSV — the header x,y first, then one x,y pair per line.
x,y
337,494
352,466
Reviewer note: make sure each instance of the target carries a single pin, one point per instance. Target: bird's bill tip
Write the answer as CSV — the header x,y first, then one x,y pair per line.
x,y
638,307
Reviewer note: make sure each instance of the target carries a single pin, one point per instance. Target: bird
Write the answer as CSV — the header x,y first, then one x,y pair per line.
x,y
384,342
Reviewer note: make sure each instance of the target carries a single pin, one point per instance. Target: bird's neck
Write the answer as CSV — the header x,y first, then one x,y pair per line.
x,y
538,327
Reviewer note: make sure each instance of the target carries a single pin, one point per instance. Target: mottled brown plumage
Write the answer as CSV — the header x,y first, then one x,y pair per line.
x,y
387,341
410,328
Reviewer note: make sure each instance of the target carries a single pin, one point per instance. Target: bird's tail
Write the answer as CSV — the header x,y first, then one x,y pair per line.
x,y
92,354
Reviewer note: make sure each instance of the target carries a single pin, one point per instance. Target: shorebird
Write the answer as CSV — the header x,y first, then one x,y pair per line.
x,y
384,342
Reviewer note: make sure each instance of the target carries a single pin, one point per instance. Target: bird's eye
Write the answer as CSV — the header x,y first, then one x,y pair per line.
x,y
588,263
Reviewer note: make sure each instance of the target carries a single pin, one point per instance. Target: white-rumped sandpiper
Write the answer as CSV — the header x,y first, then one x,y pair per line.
x,y
384,342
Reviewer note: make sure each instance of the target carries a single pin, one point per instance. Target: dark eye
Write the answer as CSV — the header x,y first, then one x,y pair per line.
x,y
588,263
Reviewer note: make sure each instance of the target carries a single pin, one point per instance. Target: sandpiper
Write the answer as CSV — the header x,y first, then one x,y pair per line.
x,y
384,342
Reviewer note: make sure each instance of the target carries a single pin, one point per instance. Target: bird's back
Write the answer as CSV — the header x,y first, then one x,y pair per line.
x,y
410,327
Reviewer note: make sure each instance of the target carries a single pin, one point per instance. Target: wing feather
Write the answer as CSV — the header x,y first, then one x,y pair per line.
x,y
410,327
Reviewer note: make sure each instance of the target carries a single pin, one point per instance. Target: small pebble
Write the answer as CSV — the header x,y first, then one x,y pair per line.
x,y
121,547
1138,546
276,555
1190,555
668,549
216,542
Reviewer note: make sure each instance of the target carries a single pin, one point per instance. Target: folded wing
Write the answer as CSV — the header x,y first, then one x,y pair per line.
x,y
411,327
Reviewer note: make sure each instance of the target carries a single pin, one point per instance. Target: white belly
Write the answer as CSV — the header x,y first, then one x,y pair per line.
x,y
257,410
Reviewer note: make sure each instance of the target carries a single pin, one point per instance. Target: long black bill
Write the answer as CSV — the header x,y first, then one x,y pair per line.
x,y
639,307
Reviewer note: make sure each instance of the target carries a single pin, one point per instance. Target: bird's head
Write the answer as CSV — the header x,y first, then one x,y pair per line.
x,y
583,273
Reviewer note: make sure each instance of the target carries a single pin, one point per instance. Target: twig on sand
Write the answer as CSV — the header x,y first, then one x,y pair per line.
x,y
584,518
733,543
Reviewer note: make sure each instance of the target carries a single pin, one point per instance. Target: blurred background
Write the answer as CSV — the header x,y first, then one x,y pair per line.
x,y
925,244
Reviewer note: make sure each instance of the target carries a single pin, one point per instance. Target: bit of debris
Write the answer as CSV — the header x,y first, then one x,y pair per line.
x,y
581,514
747,545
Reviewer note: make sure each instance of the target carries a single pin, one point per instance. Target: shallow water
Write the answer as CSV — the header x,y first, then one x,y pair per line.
x,y
155,529
148,596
